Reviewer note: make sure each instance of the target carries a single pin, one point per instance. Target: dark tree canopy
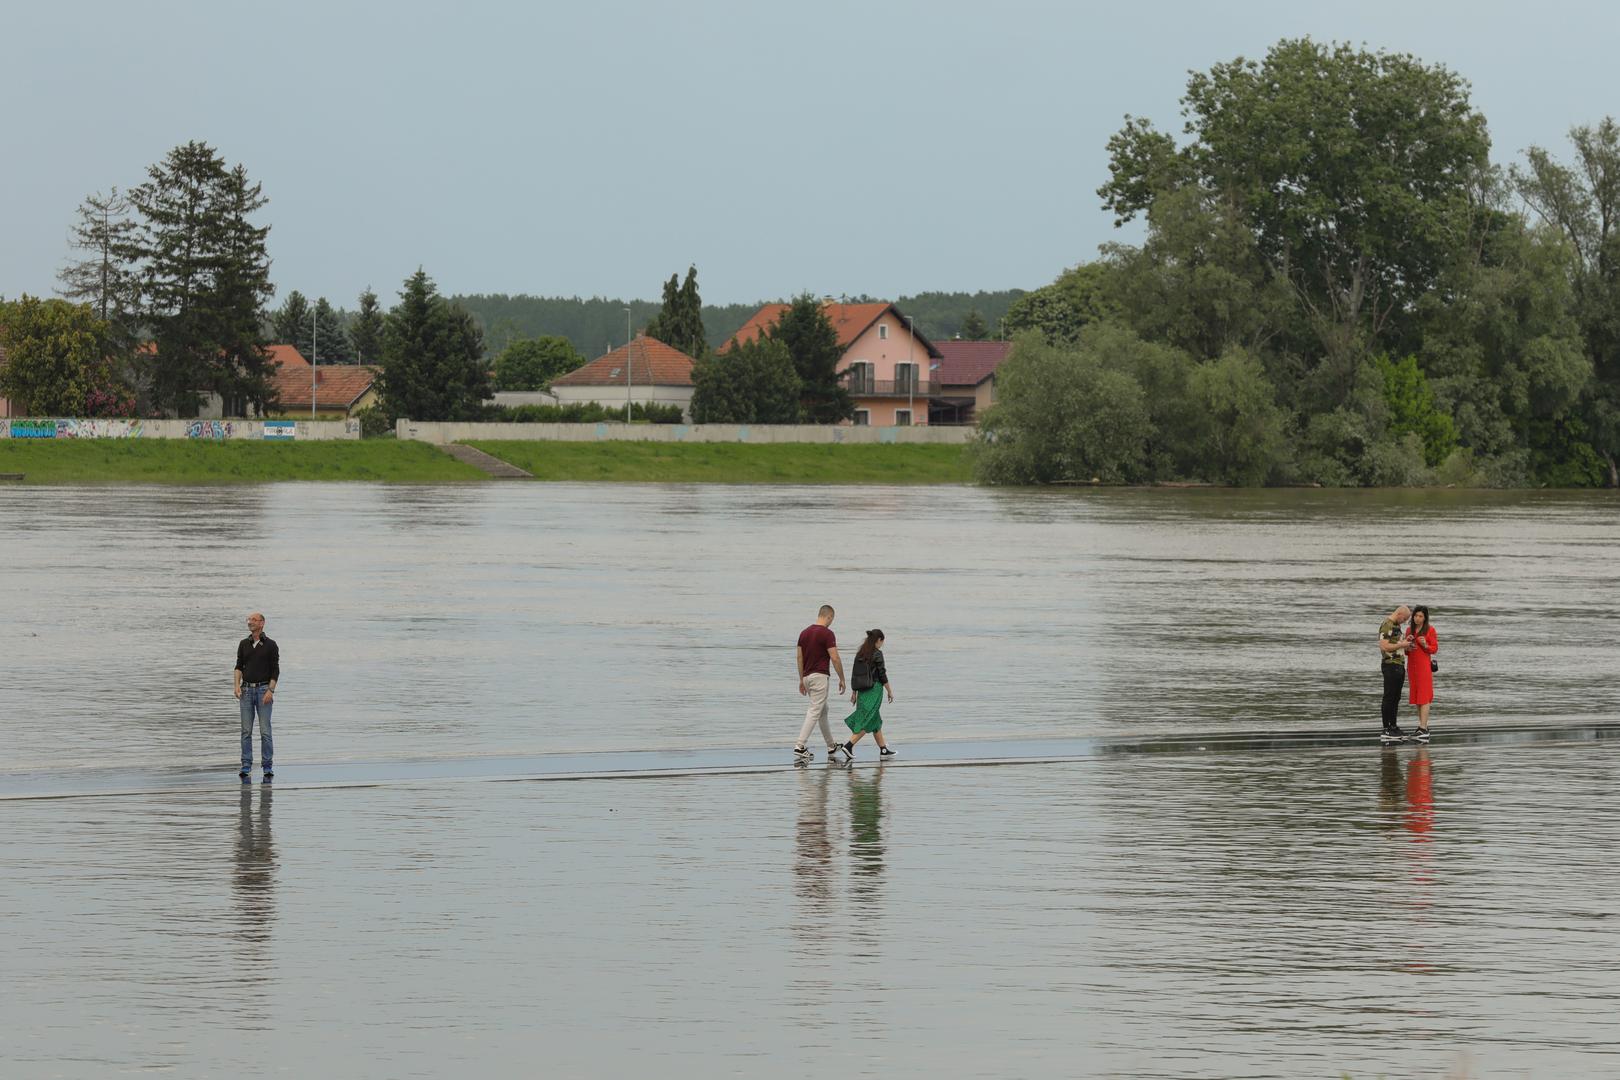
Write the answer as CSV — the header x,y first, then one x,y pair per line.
x,y
205,278
812,343
365,331
433,357
679,323
531,363
751,382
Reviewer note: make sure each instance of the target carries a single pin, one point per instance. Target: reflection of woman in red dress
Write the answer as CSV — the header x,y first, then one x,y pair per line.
x,y
1419,667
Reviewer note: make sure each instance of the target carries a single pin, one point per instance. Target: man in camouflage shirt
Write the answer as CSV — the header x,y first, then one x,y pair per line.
x,y
1392,662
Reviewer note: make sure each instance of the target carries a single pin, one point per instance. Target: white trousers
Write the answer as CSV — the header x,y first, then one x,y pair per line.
x,y
817,712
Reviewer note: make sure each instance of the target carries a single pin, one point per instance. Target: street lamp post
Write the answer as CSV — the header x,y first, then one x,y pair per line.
x,y
629,366
314,358
911,372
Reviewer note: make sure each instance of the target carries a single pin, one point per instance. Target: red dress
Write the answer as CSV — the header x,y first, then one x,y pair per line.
x,y
1419,679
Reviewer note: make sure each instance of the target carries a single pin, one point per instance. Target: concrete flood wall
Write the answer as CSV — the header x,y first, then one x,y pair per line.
x,y
437,432
214,430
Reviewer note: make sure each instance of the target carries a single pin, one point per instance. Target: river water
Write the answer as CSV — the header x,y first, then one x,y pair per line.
x,y
1281,898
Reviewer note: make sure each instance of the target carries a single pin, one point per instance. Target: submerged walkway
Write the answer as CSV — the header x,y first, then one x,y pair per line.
x,y
494,466
634,764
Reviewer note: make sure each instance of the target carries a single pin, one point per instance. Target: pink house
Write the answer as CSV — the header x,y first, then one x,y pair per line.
x,y
887,366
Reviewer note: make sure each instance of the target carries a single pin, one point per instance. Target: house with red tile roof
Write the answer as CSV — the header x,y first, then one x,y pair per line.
x,y
967,380
886,364
339,390
646,371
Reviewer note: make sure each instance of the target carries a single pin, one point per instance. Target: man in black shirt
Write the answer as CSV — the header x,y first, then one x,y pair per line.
x,y
258,667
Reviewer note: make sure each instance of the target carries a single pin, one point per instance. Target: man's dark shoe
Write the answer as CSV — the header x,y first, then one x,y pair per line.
x,y
1392,735
268,774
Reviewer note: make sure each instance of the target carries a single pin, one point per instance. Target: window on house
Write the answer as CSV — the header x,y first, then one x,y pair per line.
x,y
883,331
863,417
860,377
902,418
905,378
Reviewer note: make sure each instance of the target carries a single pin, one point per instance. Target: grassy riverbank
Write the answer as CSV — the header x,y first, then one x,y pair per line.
x,y
736,463
194,461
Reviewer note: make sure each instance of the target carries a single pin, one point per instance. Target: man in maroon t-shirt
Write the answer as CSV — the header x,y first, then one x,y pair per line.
x,y
817,648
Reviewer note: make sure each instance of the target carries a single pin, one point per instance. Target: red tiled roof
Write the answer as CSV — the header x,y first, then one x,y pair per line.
x,y
968,363
653,362
850,320
286,356
337,386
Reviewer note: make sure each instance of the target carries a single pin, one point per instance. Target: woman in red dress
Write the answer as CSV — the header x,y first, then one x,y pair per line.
x,y
1420,667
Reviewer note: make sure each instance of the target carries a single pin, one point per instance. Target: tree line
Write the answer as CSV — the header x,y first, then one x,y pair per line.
x,y
1337,286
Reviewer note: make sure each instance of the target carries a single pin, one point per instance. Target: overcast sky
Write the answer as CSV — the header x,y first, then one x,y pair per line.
x,y
593,148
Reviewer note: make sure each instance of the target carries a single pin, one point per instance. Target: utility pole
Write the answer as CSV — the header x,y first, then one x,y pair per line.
x,y
314,357
911,371
629,366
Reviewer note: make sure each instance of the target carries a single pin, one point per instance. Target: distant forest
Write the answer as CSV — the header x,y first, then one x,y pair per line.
x,y
597,324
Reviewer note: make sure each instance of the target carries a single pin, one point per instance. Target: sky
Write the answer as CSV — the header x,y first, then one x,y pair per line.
x,y
884,147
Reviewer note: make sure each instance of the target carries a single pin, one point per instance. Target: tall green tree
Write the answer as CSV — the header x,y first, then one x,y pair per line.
x,y
752,382
679,323
432,357
365,332
812,342
1582,201
974,328
1061,310
331,340
56,361
1353,170
291,323
205,276
531,363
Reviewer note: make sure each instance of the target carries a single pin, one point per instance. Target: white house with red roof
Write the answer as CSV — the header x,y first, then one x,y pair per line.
x,y
886,364
646,372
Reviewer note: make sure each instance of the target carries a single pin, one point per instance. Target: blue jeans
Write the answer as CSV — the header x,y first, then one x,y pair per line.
x,y
253,702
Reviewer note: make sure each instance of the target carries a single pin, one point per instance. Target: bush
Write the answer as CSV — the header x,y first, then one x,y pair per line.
x,y
1062,416
374,422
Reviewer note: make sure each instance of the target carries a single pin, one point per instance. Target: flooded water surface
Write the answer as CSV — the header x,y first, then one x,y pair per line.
x,y
1276,899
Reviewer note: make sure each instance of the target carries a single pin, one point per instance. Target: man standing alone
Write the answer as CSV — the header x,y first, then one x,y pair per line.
x,y
1392,647
258,667
817,648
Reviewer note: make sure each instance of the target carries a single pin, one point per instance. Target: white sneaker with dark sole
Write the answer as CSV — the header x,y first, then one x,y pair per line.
x,y
802,753
1392,735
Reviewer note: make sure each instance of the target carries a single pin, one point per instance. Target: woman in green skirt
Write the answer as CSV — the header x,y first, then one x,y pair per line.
x,y
870,682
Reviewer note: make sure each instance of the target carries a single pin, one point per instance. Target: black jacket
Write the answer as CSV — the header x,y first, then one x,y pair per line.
x,y
869,673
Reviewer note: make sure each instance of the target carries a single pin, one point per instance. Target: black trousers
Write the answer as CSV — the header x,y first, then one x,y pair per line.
x,y
1394,682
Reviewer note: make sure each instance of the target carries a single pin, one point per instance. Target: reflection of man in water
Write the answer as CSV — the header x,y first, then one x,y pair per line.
x,y
1392,649
258,668
254,876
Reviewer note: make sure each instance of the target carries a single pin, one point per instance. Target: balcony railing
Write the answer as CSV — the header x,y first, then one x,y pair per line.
x,y
859,387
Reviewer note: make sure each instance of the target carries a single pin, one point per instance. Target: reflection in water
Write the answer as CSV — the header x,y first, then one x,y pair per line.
x,y
812,864
253,878
866,851
1406,802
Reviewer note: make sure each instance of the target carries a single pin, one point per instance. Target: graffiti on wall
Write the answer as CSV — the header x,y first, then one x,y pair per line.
x,y
98,429
210,429
72,429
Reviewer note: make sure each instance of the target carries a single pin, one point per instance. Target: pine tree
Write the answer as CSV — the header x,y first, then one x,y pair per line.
x,y
330,341
290,323
205,276
813,343
974,328
432,357
365,332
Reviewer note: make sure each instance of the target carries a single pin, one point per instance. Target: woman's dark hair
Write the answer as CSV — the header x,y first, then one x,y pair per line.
x,y
869,646
1425,609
